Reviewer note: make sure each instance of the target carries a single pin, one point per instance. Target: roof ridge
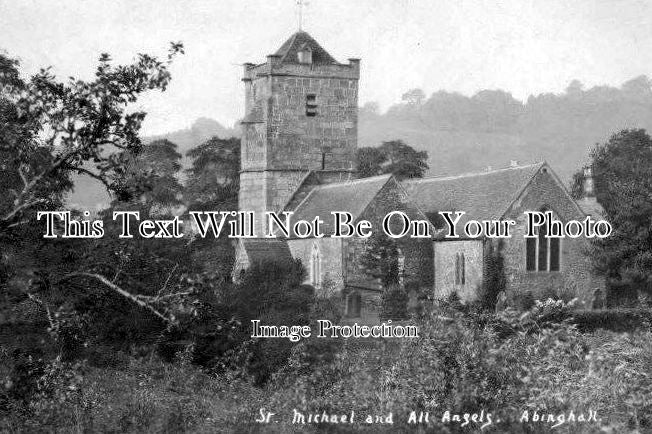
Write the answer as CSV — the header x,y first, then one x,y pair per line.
x,y
354,181
471,174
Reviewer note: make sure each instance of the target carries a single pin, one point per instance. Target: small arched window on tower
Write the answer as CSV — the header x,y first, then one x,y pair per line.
x,y
315,266
460,269
541,252
304,55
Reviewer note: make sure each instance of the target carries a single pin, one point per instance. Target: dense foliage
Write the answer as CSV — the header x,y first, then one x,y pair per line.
x,y
395,157
464,361
622,170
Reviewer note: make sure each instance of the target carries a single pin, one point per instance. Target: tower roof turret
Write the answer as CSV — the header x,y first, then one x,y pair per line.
x,y
301,40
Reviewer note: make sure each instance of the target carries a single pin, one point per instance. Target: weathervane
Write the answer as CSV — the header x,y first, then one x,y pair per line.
x,y
300,5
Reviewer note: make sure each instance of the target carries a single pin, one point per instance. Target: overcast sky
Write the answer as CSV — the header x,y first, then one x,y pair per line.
x,y
524,47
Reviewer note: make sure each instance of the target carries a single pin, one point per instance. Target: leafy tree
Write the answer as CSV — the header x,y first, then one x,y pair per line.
x,y
404,161
51,130
495,280
395,157
212,184
272,292
20,156
71,127
394,303
622,170
149,177
213,178
370,162
577,185
381,259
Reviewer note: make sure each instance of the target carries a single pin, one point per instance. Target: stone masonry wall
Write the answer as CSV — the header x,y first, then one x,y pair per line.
x,y
253,153
297,140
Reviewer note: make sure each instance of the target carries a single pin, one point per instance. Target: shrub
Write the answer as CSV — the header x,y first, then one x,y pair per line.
x,y
394,303
217,330
621,293
617,320
523,300
494,280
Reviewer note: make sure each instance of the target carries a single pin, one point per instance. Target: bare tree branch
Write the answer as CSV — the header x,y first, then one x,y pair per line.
x,y
158,296
140,300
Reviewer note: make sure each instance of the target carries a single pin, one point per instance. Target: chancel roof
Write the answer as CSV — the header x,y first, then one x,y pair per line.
x,y
483,196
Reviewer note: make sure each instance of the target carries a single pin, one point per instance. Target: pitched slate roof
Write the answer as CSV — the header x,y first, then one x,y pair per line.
x,y
266,249
483,196
289,49
352,196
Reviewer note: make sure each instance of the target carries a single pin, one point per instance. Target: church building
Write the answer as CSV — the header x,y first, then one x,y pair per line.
x,y
297,154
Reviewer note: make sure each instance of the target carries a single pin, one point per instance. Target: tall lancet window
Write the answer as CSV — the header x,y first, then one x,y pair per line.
x,y
315,266
542,253
460,269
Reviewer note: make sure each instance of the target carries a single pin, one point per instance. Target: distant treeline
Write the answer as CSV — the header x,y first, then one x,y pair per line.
x,y
464,133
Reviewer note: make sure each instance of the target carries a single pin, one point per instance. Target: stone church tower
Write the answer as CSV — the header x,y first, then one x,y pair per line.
x,y
300,119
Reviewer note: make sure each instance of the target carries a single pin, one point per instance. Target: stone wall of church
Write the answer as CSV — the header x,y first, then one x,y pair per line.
x,y
330,251
575,275
445,264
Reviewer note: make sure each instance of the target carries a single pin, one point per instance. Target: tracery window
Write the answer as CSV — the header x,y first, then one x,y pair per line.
x,y
542,253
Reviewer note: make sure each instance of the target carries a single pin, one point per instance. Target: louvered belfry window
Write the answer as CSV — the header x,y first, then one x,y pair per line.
x,y
311,105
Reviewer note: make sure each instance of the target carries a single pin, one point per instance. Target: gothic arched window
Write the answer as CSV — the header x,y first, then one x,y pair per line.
x,y
542,253
315,266
460,269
